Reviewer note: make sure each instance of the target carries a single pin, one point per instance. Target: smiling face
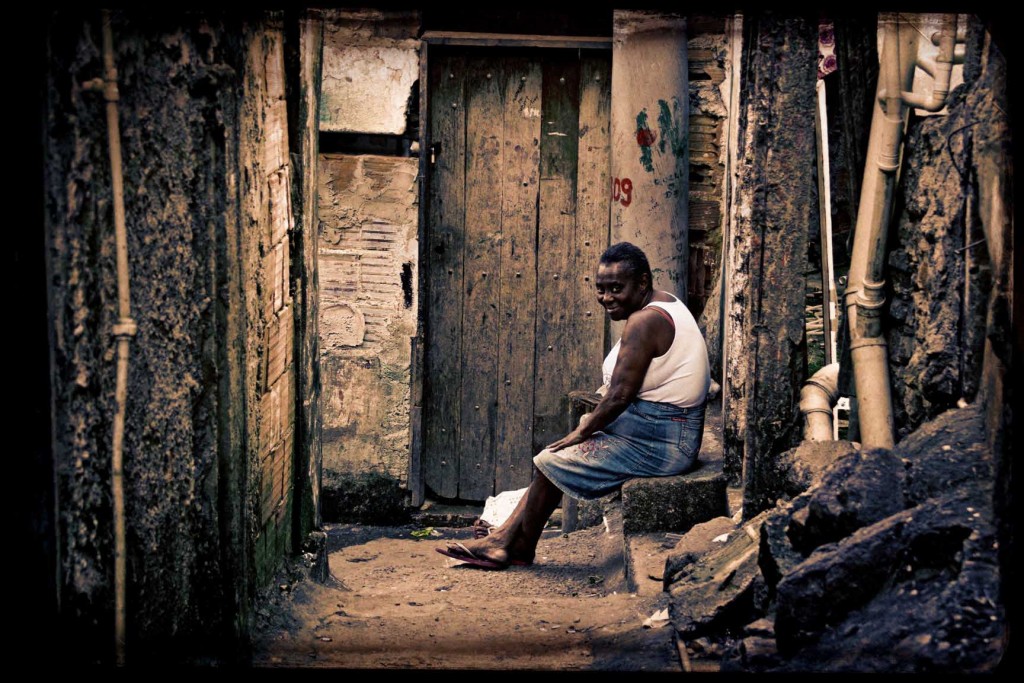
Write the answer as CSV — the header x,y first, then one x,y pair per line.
x,y
619,292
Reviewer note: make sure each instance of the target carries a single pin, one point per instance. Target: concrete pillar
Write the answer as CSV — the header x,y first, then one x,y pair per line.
x,y
650,150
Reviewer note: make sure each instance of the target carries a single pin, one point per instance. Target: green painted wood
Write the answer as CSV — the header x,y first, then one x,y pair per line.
x,y
555,357
518,299
442,391
481,271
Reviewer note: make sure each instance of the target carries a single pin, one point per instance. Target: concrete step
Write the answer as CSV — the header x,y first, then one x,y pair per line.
x,y
651,504
670,504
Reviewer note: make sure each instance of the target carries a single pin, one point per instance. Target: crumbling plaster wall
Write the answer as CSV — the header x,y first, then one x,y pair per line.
x,y
368,246
940,265
370,64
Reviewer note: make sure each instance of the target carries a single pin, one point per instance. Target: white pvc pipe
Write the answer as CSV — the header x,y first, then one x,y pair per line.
x,y
940,68
817,400
864,296
829,303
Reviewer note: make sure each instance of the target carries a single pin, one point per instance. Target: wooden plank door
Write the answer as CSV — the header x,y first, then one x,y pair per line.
x,y
517,217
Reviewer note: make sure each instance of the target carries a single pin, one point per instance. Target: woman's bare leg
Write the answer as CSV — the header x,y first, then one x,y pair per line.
x,y
517,537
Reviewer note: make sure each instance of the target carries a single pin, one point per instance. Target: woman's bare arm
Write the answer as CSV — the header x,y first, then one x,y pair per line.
x,y
643,338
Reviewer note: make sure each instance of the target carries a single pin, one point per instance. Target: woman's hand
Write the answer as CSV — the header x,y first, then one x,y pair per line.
x,y
572,438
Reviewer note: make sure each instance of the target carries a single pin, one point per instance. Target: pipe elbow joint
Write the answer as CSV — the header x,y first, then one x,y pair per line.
x,y
817,398
821,390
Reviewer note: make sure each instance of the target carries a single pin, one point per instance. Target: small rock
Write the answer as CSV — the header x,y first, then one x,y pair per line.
x,y
761,627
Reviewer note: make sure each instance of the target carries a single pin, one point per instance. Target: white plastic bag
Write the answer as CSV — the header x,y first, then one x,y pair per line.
x,y
498,508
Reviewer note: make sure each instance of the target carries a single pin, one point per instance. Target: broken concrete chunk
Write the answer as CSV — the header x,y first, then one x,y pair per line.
x,y
675,503
935,562
803,466
719,587
857,490
694,543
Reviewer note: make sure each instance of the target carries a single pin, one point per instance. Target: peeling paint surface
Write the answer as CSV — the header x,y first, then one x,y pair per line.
x,y
367,268
367,89
655,213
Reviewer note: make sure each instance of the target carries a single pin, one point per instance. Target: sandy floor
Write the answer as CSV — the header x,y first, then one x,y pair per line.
x,y
395,603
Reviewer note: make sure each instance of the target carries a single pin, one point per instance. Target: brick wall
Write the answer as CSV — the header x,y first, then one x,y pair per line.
x,y
274,327
708,62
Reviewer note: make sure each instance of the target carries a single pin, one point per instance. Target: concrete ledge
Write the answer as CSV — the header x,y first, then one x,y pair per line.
x,y
645,556
675,503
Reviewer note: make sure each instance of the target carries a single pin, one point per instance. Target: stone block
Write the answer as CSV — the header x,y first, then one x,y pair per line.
x,y
675,503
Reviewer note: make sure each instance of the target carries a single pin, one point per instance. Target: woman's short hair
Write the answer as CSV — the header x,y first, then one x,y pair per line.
x,y
630,254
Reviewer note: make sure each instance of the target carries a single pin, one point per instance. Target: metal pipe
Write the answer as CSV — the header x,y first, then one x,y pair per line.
x,y
123,331
817,400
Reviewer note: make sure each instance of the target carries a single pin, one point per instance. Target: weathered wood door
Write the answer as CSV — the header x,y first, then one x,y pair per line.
x,y
518,210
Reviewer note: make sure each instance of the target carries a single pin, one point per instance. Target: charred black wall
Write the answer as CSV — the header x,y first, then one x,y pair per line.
x,y
180,81
941,268
775,202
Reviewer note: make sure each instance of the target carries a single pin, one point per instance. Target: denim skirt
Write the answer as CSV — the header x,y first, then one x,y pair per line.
x,y
649,439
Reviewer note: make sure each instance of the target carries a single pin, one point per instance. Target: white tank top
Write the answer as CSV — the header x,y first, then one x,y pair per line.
x,y
682,374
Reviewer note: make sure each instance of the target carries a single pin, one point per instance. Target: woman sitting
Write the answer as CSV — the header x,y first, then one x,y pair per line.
x,y
649,422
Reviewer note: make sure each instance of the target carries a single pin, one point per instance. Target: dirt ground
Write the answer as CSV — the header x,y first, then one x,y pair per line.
x,y
395,603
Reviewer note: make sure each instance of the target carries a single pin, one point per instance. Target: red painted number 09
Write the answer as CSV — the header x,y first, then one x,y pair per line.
x,y
622,191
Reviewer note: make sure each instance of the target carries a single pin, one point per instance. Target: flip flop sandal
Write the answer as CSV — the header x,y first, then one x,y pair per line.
x,y
482,529
463,554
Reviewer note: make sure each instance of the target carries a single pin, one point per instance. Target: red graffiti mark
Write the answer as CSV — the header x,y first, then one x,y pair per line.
x,y
627,191
644,137
622,191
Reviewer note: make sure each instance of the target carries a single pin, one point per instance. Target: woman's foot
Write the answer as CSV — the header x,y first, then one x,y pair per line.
x,y
458,551
481,529
489,552
484,553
